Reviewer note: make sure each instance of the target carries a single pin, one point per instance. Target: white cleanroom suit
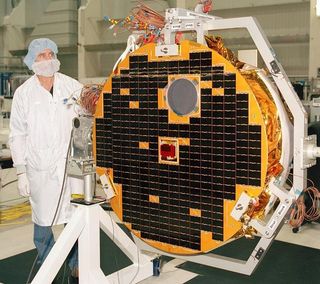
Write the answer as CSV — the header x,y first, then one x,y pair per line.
x,y
40,129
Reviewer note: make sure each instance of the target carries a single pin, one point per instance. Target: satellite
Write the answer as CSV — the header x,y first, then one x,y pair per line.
x,y
193,147
198,145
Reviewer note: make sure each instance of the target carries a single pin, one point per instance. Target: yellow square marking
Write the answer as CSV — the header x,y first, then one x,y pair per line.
x,y
207,242
184,141
144,145
124,91
195,212
177,119
206,84
218,91
134,104
154,199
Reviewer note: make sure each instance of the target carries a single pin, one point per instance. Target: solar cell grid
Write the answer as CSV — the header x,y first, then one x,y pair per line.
x,y
224,150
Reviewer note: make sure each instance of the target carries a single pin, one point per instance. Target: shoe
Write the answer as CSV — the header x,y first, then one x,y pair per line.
x,y
74,272
74,276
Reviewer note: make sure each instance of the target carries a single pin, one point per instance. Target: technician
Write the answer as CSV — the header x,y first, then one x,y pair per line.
x,y
40,128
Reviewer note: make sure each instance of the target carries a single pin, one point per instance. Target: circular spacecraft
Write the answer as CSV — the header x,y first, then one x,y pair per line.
x,y
182,137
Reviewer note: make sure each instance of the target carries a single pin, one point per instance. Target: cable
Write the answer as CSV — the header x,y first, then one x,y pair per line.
x,y
58,205
89,97
207,5
8,183
299,213
95,184
313,213
141,18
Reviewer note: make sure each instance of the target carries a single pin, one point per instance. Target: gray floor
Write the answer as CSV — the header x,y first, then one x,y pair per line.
x,y
17,238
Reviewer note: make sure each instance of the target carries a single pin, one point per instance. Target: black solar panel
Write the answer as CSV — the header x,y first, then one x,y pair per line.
x,y
224,150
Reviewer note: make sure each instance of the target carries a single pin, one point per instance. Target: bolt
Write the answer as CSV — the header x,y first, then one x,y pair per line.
x,y
267,233
286,201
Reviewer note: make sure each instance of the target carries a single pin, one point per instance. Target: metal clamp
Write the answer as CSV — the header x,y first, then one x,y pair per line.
x,y
286,199
310,151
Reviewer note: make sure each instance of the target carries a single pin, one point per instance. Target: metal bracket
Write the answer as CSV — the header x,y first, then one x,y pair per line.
x,y
269,229
80,167
205,23
246,267
266,229
275,67
181,20
241,206
310,151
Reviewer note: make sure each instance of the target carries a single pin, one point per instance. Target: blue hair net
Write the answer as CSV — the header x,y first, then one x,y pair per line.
x,y
37,46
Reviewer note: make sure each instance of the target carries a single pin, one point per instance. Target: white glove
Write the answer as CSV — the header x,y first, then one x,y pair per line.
x,y
23,185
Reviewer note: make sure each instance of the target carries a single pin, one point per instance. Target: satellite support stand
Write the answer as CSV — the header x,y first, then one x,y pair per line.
x,y
267,232
85,226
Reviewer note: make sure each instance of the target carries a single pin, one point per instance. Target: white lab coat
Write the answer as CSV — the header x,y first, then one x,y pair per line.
x,y
40,128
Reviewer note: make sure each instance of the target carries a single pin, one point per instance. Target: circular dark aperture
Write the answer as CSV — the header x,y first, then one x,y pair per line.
x,y
182,96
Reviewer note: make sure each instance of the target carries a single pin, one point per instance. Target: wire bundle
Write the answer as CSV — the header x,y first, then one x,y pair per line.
x,y
207,5
313,213
89,97
141,18
299,213
146,18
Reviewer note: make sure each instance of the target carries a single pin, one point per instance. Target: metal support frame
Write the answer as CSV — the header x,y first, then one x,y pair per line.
x,y
285,87
272,226
246,267
179,20
87,220
85,227
268,232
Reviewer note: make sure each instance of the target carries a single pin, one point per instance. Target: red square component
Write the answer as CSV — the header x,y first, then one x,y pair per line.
x,y
168,150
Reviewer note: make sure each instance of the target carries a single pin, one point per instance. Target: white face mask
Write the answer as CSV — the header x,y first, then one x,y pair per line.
x,y
46,68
